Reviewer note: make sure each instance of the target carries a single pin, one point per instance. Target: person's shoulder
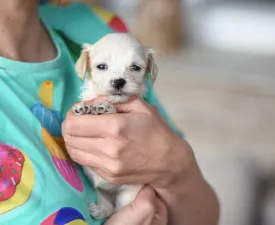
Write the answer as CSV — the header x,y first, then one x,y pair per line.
x,y
81,22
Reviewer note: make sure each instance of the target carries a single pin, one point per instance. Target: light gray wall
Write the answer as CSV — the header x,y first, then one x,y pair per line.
x,y
229,25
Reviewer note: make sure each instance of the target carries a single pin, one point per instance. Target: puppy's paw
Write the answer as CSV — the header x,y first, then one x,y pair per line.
x,y
82,108
99,211
103,108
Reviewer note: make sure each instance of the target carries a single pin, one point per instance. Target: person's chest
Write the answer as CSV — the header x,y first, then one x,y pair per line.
x,y
36,174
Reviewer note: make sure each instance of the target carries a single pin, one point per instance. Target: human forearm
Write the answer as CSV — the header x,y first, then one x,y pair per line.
x,y
191,203
189,198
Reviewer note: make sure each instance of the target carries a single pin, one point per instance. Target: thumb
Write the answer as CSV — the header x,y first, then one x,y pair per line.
x,y
161,213
146,198
140,212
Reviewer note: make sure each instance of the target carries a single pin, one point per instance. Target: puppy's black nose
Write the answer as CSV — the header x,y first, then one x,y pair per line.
x,y
119,83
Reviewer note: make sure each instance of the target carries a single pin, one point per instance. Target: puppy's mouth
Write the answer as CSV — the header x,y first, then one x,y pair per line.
x,y
119,93
122,94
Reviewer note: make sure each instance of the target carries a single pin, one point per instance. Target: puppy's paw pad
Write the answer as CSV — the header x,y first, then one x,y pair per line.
x,y
103,108
81,108
99,211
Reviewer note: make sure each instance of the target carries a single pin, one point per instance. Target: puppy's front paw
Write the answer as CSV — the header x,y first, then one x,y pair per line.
x,y
82,108
103,108
99,211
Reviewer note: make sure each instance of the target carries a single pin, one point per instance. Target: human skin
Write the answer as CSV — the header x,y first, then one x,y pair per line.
x,y
166,163
142,211
140,148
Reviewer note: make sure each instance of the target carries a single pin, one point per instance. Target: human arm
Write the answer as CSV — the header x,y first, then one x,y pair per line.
x,y
139,147
190,199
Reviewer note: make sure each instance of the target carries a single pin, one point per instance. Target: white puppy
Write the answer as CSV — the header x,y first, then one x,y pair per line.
x,y
116,67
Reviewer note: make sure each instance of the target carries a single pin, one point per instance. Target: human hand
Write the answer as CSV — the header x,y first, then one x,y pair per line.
x,y
142,211
133,146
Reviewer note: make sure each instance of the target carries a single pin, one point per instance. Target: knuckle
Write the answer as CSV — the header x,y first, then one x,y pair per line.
x,y
118,127
188,161
184,161
69,126
69,140
114,154
116,168
74,154
113,179
63,128
115,151
76,157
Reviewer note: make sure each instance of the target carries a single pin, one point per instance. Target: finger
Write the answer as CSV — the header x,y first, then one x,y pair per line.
x,y
91,125
135,105
147,194
88,159
102,164
161,217
145,203
96,146
140,212
127,177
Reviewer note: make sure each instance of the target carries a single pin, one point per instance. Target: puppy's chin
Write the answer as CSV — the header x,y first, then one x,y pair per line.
x,y
118,98
122,97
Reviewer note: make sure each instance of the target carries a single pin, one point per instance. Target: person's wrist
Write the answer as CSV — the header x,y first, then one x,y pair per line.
x,y
185,172
183,186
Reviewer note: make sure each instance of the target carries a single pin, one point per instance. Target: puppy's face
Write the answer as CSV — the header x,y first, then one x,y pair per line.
x,y
116,66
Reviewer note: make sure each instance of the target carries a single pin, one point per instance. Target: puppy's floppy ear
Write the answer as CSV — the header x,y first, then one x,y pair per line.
x,y
152,67
82,64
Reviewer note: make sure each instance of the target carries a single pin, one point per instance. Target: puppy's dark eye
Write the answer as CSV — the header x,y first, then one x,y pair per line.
x,y
102,67
135,68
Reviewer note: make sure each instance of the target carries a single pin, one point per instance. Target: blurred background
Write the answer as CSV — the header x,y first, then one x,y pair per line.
x,y
217,81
